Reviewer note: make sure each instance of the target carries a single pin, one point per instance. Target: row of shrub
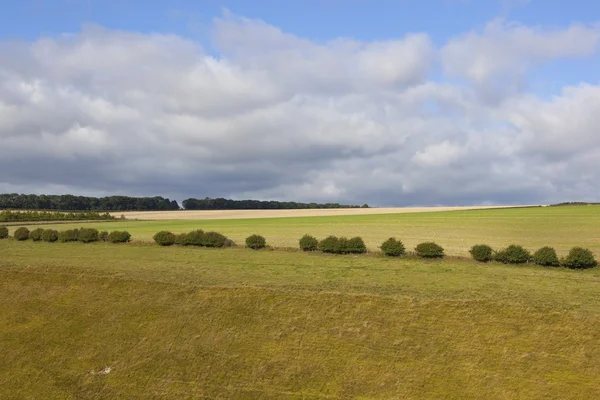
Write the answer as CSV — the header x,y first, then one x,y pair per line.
x,y
12,216
578,257
194,238
391,247
205,239
84,235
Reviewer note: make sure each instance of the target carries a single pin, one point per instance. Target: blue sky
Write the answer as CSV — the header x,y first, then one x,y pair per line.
x,y
318,20
439,102
315,19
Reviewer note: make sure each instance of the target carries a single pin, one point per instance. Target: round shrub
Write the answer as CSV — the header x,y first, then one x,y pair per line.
x,y
194,238
119,237
36,234
342,245
213,239
329,245
429,250
481,253
546,256
355,245
180,239
393,248
70,235
3,232
513,254
165,238
256,242
103,236
308,243
579,258
88,235
21,234
50,235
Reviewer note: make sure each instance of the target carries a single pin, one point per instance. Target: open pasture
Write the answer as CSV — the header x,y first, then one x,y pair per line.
x,y
560,227
105,321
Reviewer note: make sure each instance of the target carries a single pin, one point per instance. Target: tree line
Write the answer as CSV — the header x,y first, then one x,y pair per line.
x,y
12,216
228,204
68,202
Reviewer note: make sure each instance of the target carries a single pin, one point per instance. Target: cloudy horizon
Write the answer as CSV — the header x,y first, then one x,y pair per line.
x,y
502,112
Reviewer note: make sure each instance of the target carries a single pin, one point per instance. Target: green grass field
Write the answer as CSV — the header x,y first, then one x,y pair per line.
x,y
456,231
234,323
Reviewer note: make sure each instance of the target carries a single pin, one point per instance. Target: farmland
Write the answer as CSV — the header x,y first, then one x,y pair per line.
x,y
456,231
140,321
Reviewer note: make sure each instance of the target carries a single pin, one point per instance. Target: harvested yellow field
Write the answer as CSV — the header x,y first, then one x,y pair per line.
x,y
248,214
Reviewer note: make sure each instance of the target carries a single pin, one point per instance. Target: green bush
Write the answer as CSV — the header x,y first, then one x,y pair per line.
x,y
256,242
513,254
579,258
329,245
50,235
119,237
309,243
21,234
342,245
546,256
355,245
3,232
429,250
88,235
165,238
180,239
393,248
213,239
194,238
103,236
70,235
36,234
482,253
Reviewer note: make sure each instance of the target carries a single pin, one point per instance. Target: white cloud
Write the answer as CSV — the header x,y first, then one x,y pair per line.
x,y
508,50
277,116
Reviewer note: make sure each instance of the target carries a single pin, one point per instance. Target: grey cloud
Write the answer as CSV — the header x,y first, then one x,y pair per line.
x,y
277,116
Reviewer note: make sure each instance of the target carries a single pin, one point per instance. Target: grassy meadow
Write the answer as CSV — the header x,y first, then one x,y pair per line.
x,y
104,321
456,231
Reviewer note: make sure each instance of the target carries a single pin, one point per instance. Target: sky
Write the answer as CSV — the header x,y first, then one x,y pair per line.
x,y
390,103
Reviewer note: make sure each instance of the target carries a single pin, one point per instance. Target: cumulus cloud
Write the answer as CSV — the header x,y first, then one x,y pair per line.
x,y
500,56
275,116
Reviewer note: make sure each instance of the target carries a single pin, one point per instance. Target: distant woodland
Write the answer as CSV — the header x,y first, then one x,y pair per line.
x,y
228,204
68,202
